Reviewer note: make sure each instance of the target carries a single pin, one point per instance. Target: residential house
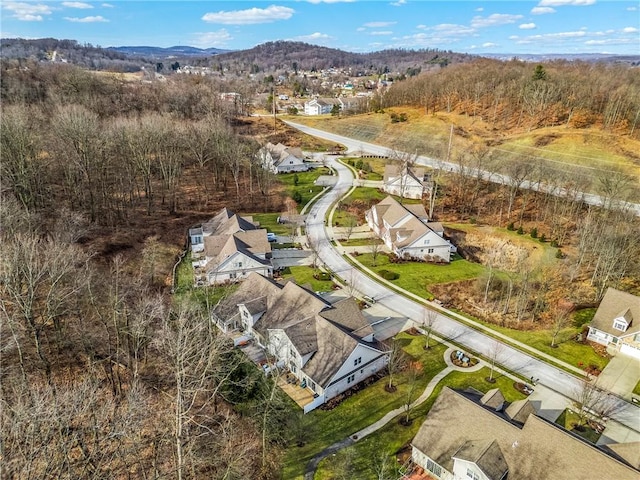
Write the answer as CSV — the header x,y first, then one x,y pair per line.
x,y
328,348
323,106
282,159
407,231
616,323
465,438
229,247
404,181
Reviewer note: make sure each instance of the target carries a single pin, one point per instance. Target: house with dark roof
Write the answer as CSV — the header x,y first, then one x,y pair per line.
x,y
282,159
229,247
407,231
468,435
616,323
327,348
405,181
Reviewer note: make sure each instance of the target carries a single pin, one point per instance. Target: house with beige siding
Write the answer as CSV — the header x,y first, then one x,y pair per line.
x,y
405,181
327,348
407,231
616,323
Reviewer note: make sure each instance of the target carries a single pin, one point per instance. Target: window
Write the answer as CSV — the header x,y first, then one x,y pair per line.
x,y
433,467
351,378
473,475
239,264
313,385
426,242
232,275
430,250
357,361
620,325
293,353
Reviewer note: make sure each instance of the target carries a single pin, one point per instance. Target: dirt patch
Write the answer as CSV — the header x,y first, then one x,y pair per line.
x,y
544,140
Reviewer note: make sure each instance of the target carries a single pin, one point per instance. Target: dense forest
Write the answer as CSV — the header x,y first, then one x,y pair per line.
x,y
106,375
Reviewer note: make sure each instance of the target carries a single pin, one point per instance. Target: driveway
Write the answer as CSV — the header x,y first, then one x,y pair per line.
x,y
621,375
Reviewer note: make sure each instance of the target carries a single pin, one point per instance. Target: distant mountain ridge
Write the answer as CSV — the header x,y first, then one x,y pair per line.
x,y
164,52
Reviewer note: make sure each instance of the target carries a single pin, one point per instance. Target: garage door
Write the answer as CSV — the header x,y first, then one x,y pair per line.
x,y
630,350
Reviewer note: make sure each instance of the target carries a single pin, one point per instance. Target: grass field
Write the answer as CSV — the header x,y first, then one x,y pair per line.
x,y
569,420
416,277
303,275
588,153
303,183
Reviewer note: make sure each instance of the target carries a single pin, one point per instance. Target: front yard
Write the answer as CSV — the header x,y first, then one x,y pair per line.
x,y
304,275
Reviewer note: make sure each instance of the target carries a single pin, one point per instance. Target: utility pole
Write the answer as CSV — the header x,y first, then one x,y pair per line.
x,y
273,98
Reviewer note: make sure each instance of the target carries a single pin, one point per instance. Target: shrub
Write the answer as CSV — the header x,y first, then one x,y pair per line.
x,y
511,227
297,197
322,276
389,275
534,232
296,179
559,254
520,231
542,238
554,243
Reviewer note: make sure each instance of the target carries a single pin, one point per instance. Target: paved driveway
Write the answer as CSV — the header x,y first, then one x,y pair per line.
x,y
621,375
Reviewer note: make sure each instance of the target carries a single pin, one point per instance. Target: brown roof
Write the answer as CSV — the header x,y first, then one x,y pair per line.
x,y
617,304
393,169
225,222
520,410
629,452
303,335
254,289
220,247
493,399
537,450
487,455
347,315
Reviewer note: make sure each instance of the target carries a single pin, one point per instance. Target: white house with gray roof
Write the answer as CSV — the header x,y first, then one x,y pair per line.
x,y
407,231
228,248
468,435
616,323
282,159
405,181
328,348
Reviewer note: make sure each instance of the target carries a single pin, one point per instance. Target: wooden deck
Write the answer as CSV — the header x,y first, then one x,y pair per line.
x,y
302,396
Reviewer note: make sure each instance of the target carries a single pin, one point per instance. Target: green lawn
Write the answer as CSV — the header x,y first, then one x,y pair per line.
x,y
416,277
373,195
269,221
362,458
303,275
363,408
570,420
305,184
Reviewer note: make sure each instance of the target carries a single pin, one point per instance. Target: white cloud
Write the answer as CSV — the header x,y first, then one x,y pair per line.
x,y
542,10
360,29
385,32
399,3
378,24
313,37
489,45
479,9
421,27
494,20
80,5
560,3
108,5
629,30
632,9
250,16
28,12
211,39
527,26
94,19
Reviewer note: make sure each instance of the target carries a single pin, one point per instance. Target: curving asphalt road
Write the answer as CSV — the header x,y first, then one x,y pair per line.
x,y
357,145
513,359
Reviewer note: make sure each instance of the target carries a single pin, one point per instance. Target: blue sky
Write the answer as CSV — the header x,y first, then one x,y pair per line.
x,y
543,26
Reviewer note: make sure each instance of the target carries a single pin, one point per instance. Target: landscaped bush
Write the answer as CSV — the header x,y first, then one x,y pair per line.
x,y
534,232
559,254
542,238
322,276
520,231
511,227
389,275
